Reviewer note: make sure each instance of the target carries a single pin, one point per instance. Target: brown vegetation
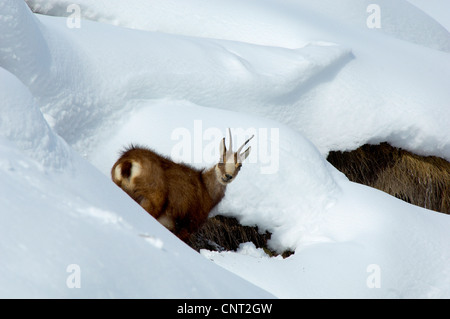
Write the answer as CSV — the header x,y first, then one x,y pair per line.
x,y
419,180
225,233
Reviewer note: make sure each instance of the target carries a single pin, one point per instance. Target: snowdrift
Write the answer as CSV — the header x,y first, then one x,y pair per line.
x,y
382,84
58,211
292,73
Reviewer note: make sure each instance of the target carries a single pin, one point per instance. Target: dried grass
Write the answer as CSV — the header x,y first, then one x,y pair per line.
x,y
419,180
225,233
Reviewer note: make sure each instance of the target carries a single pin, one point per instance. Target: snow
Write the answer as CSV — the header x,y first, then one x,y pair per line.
x,y
307,80
304,77
58,211
437,9
365,229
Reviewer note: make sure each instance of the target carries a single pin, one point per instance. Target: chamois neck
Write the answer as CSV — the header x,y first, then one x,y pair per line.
x,y
215,189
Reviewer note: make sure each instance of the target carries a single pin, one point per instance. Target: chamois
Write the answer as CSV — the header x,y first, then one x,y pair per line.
x,y
179,196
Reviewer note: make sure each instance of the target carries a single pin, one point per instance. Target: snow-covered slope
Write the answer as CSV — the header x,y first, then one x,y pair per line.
x,y
52,222
372,246
285,23
304,77
386,82
57,211
437,9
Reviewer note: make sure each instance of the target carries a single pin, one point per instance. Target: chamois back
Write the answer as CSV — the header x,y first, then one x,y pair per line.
x,y
173,193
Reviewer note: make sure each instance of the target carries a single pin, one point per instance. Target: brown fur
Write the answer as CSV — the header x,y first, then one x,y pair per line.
x,y
179,196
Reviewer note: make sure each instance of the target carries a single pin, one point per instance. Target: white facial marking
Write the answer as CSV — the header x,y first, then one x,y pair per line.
x,y
136,169
230,168
118,173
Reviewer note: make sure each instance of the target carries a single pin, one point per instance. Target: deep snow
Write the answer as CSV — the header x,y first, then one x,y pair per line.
x,y
305,78
437,9
389,83
57,210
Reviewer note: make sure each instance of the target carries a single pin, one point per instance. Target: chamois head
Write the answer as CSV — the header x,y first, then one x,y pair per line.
x,y
230,162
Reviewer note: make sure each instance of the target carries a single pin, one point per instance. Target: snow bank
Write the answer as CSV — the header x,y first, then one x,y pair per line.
x,y
228,20
398,19
67,231
437,9
338,96
22,123
54,218
377,247
56,226
287,23
214,73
